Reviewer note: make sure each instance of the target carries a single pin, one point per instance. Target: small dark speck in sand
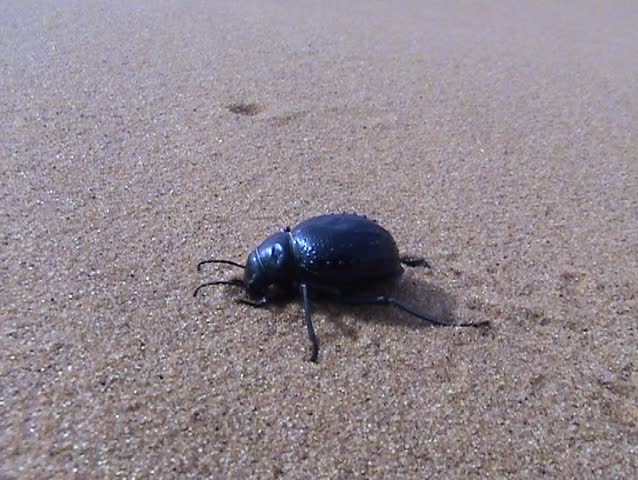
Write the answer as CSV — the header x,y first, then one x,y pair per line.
x,y
244,108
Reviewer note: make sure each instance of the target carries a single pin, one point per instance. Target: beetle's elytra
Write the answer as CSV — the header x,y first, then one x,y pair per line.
x,y
335,256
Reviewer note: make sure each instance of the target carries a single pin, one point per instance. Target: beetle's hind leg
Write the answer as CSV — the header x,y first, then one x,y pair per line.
x,y
412,261
388,300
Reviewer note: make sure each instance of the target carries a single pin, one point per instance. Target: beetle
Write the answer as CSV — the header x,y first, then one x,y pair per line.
x,y
335,256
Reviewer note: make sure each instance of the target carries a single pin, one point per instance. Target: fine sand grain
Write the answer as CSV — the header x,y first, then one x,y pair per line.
x,y
499,139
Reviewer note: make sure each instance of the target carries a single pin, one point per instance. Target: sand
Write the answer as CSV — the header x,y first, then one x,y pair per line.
x,y
498,139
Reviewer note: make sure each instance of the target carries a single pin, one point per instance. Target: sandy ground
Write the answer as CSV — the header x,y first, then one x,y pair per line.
x,y
498,139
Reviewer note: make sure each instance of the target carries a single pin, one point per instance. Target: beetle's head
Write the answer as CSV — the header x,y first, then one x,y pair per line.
x,y
270,265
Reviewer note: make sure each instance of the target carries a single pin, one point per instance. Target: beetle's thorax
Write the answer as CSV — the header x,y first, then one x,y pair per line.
x,y
271,263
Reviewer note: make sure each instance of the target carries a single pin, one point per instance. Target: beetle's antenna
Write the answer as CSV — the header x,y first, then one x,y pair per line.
x,y
227,262
235,282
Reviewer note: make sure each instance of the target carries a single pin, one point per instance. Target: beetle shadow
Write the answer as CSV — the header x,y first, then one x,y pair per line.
x,y
415,293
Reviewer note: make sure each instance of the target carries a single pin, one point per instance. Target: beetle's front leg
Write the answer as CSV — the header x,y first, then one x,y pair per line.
x,y
262,302
277,296
303,288
412,261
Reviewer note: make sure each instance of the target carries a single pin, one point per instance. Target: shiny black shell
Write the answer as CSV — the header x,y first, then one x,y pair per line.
x,y
344,250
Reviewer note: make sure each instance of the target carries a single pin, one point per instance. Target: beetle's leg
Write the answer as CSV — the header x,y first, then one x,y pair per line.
x,y
279,296
235,283
387,300
311,330
411,261
262,302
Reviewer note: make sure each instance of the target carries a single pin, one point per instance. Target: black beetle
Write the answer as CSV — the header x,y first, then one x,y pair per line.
x,y
334,256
